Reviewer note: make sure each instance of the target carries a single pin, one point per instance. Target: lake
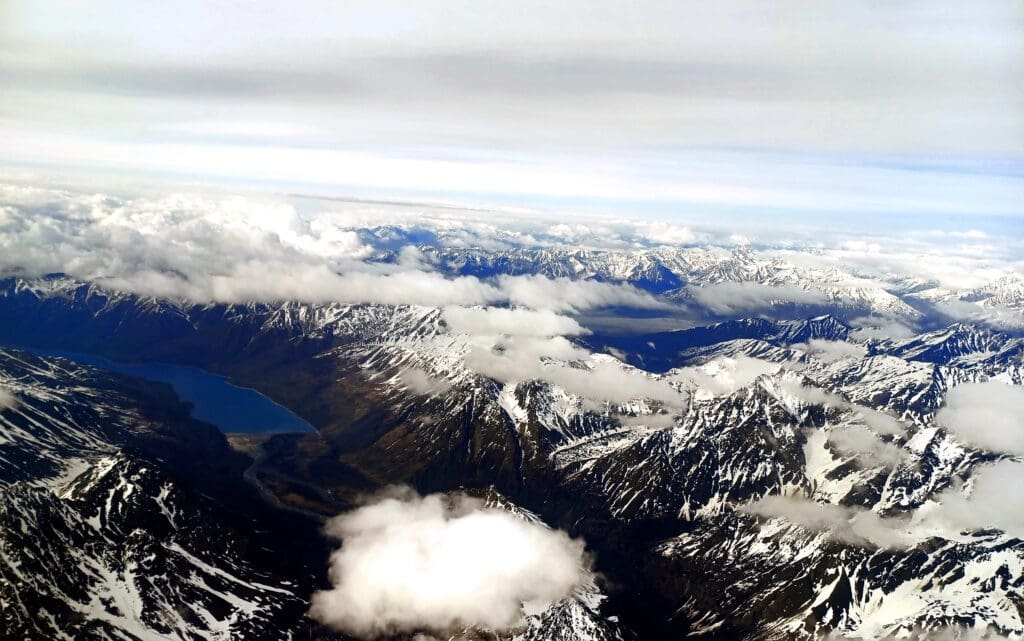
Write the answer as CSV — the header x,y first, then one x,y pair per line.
x,y
215,400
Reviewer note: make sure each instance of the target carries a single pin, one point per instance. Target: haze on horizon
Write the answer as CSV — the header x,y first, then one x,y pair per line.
x,y
667,108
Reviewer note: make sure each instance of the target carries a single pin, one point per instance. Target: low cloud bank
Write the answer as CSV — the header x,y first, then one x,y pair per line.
x,y
236,250
440,563
518,322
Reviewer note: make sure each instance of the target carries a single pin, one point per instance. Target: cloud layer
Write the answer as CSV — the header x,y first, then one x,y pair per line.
x,y
237,250
441,563
649,101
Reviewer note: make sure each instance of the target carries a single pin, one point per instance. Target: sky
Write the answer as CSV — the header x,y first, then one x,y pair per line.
x,y
663,108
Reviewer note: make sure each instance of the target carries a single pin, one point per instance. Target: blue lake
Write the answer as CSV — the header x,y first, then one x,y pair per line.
x,y
232,409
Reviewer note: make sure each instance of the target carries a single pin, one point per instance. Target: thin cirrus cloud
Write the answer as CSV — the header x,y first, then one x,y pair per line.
x,y
906,109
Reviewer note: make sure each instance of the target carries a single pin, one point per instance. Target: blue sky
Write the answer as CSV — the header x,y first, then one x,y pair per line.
x,y
643,108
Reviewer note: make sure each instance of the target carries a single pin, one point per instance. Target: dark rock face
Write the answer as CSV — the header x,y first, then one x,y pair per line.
x,y
108,531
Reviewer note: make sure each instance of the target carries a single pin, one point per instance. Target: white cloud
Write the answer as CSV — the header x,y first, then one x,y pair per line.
x,y
562,294
724,375
738,297
556,360
420,382
880,422
879,328
238,250
832,351
987,415
996,315
519,322
438,564
613,382
663,233
7,399
856,526
993,500
812,395
519,358
864,444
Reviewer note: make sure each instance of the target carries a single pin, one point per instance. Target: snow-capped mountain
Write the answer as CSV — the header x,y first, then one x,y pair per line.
x,y
106,534
659,482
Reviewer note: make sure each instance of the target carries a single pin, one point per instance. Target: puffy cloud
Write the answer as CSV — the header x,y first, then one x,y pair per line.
x,y
441,563
734,298
662,233
832,351
611,381
859,439
520,358
519,322
987,415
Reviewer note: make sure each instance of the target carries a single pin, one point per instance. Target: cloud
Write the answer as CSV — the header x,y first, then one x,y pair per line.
x,y
880,422
987,415
519,322
235,250
8,400
613,382
852,439
879,328
812,395
736,298
556,360
563,294
992,500
832,351
420,382
999,316
519,358
441,75
662,233
441,563
724,375
856,526
864,444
